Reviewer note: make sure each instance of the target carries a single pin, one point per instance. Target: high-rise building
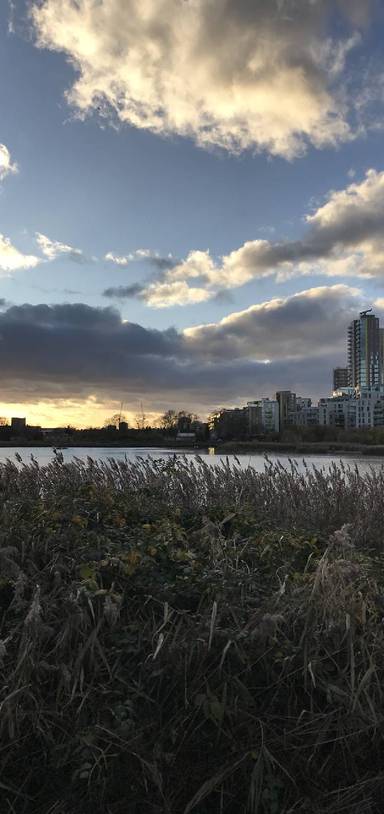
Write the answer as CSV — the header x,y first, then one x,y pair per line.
x,y
287,407
340,377
364,351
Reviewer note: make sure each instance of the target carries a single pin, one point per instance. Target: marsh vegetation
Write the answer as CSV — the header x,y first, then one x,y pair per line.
x,y
177,637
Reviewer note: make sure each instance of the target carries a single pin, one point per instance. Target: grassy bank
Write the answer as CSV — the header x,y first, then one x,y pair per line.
x,y
299,447
180,638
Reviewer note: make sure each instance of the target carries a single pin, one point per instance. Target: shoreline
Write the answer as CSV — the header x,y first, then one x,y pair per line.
x,y
224,448
312,448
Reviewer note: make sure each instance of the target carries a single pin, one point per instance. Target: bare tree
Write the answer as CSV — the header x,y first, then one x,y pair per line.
x,y
141,419
115,420
168,421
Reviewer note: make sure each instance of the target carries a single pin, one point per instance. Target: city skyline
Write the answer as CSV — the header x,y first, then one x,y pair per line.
x,y
361,378
191,201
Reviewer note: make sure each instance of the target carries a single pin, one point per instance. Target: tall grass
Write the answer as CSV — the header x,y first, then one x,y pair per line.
x,y
179,638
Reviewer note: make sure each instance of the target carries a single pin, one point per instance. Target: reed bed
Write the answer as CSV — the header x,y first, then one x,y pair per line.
x,y
177,638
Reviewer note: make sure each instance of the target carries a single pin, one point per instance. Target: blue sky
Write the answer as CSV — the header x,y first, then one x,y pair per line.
x,y
242,150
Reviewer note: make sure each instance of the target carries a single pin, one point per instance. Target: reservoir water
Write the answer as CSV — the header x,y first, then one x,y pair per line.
x,y
257,460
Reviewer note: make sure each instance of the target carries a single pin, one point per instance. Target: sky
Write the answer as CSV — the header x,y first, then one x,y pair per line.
x,y
191,201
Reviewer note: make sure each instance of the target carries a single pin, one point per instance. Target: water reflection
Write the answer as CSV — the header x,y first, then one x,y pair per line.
x,y
45,455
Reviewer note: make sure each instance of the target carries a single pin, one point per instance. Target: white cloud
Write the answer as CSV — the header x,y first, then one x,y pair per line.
x,y
118,259
165,295
143,254
11,16
306,324
343,238
125,259
347,208
350,227
260,74
11,259
6,165
52,249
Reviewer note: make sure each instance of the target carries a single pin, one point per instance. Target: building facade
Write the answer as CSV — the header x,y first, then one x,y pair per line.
x,y
365,351
363,410
340,377
307,416
287,408
263,416
339,411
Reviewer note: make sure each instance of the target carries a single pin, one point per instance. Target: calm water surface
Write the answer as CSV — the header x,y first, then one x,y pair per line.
x,y
45,454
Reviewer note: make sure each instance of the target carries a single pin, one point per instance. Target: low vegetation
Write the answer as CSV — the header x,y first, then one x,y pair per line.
x,y
180,638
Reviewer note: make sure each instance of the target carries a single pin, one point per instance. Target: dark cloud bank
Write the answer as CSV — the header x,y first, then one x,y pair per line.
x,y
72,351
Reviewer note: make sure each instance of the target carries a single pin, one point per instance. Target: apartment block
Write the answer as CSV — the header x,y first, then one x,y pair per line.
x,y
287,408
263,416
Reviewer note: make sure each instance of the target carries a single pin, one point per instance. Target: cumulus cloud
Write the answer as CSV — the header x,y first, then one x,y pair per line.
x,y
170,286
52,249
308,323
11,259
124,259
164,294
350,225
6,165
148,255
119,259
159,295
344,237
238,74
74,350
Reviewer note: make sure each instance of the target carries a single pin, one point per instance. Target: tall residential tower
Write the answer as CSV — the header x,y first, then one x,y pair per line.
x,y
365,354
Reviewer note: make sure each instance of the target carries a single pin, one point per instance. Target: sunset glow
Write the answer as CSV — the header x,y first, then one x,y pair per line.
x,y
187,190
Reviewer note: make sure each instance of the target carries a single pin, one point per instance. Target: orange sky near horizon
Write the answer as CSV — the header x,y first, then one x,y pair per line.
x,y
79,414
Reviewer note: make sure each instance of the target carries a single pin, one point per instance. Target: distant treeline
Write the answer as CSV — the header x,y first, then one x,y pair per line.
x,y
167,435
92,436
